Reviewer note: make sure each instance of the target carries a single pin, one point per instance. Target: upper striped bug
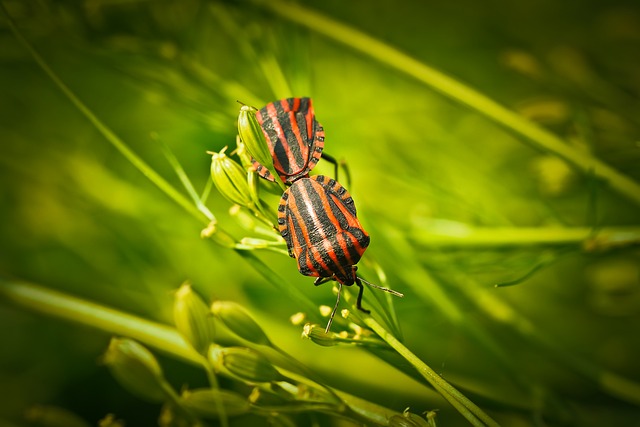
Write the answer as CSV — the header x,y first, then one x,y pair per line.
x,y
317,218
294,136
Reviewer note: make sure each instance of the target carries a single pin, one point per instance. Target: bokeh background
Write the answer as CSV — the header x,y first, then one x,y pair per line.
x,y
454,202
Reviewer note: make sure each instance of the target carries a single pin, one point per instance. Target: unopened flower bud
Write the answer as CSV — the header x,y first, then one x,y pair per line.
x,y
230,179
236,318
244,363
205,403
193,319
317,334
135,368
254,139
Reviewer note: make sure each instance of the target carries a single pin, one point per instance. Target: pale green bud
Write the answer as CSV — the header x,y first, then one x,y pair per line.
x,y
193,319
230,179
135,368
236,318
254,139
244,364
317,334
205,403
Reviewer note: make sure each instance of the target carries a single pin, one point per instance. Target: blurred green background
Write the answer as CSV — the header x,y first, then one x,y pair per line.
x,y
454,202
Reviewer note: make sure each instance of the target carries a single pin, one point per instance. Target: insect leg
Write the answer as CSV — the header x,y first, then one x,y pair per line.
x,y
336,164
320,280
360,292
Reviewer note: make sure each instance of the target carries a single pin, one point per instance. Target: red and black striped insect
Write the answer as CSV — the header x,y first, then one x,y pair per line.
x,y
294,136
317,218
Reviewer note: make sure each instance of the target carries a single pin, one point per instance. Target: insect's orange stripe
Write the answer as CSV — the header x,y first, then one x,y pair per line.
x,y
309,117
296,104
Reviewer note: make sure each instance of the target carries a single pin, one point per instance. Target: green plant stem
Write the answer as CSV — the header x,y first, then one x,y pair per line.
x,y
470,237
427,288
394,58
467,408
186,182
213,382
161,337
97,316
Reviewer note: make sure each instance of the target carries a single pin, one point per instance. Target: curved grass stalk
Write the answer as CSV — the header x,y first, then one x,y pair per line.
x,y
186,182
467,408
427,288
394,58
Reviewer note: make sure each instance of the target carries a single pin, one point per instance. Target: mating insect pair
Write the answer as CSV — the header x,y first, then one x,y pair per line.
x,y
316,215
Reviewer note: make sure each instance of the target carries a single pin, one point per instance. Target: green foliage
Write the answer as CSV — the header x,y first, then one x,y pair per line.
x,y
528,178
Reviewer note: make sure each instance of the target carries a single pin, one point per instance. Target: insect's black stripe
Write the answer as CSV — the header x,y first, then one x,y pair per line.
x,y
304,105
316,233
301,121
266,122
305,114
308,203
320,198
298,161
303,138
310,262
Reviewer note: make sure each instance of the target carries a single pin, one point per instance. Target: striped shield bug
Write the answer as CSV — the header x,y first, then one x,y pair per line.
x,y
317,218
294,136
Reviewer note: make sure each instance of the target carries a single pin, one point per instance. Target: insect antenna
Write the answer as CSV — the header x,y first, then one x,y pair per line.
x,y
335,308
382,288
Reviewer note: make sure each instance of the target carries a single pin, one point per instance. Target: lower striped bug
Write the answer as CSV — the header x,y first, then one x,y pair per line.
x,y
317,218
294,136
